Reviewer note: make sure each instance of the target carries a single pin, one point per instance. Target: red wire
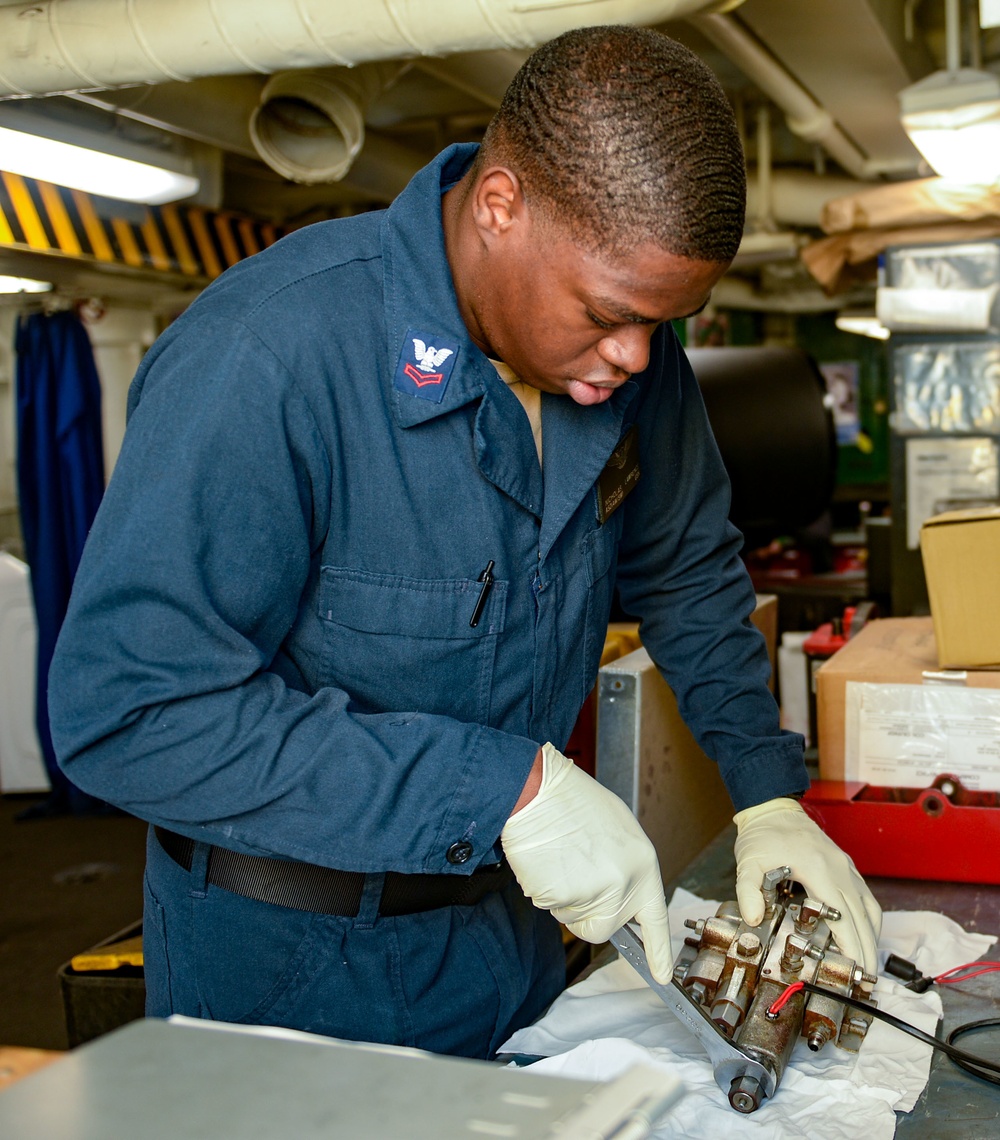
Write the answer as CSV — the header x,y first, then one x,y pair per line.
x,y
949,977
779,1002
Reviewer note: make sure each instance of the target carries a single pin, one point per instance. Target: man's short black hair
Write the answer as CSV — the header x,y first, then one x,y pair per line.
x,y
625,137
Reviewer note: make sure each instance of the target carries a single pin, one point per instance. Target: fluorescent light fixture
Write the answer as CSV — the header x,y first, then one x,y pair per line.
x,y
90,170
953,119
23,285
864,324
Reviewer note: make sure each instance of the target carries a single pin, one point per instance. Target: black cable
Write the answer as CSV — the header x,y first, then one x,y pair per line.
x,y
970,1027
967,1061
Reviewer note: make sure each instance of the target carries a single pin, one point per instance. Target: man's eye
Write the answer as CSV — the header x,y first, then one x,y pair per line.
x,y
600,324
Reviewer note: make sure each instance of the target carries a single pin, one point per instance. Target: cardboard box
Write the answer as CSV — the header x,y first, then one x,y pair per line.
x,y
623,638
892,651
961,551
647,756
765,618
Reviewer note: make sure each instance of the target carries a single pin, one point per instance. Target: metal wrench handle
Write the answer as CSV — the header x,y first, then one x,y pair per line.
x,y
729,1062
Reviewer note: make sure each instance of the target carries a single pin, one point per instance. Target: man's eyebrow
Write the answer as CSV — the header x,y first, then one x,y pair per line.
x,y
634,318
624,314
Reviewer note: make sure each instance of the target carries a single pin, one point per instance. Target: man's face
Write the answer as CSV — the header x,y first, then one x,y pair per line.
x,y
579,323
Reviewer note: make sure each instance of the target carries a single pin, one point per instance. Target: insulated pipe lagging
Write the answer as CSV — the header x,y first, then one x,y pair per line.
x,y
805,117
65,46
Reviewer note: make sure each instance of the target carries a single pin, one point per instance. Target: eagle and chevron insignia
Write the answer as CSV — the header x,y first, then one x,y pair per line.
x,y
425,365
430,358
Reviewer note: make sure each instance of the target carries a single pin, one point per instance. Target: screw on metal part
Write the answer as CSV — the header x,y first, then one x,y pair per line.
x,y
747,944
694,943
745,1094
727,1016
819,1036
699,993
861,975
829,912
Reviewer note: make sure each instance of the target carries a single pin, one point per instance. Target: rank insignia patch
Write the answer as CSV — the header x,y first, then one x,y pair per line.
x,y
425,365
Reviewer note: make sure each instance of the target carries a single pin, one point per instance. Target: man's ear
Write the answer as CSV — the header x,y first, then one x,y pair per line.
x,y
498,204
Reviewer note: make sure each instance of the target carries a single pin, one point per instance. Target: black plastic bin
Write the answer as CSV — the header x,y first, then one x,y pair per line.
x,y
97,1001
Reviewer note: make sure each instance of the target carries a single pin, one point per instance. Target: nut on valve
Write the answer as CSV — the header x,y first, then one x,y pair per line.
x,y
745,1094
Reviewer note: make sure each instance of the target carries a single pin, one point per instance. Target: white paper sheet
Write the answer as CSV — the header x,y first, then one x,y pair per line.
x,y
945,473
905,736
612,1020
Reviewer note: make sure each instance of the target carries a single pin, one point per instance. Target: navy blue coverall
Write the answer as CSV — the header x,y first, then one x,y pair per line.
x,y
269,645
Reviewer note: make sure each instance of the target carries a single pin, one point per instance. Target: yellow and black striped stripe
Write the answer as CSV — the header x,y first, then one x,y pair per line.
x,y
40,216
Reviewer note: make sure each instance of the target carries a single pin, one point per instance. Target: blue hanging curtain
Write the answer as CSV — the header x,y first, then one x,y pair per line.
x,y
60,472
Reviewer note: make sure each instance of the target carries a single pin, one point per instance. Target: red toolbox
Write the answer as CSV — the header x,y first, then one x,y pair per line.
x,y
945,831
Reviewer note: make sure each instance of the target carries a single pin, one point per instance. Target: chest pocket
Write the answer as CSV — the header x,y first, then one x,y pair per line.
x,y
398,644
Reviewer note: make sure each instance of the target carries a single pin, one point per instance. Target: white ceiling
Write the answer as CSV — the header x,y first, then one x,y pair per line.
x,y
851,56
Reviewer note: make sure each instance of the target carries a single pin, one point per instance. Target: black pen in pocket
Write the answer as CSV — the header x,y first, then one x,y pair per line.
x,y
487,580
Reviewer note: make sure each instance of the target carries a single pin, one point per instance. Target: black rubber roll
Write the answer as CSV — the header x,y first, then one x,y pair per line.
x,y
768,412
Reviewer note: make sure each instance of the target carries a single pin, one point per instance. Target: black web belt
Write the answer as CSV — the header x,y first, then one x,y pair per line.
x,y
306,886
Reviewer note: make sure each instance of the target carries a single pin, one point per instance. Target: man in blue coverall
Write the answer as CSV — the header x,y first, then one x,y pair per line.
x,y
350,582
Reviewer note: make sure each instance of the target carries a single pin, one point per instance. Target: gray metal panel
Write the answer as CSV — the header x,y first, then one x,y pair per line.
x,y
163,1081
648,757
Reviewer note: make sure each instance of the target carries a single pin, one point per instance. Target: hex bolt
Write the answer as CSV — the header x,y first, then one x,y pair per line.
x,y
860,975
745,1094
747,944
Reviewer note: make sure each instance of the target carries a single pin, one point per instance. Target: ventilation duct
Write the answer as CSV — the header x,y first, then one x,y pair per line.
x,y
310,125
66,46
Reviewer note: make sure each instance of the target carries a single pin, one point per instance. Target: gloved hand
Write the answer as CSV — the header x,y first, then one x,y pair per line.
x,y
578,851
778,833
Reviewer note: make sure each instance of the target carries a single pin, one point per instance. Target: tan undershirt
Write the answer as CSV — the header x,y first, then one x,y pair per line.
x,y
529,398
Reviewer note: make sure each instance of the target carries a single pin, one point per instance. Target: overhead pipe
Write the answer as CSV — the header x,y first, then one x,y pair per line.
x,y
797,197
764,214
805,117
66,46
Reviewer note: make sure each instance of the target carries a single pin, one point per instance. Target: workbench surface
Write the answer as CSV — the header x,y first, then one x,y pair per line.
x,y
954,1105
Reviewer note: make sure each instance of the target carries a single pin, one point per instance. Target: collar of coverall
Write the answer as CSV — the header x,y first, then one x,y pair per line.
x,y
420,303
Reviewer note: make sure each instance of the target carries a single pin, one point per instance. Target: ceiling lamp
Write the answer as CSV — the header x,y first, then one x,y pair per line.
x,y
953,116
862,323
93,171
23,285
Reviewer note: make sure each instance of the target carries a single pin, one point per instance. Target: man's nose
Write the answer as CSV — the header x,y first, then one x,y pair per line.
x,y
627,347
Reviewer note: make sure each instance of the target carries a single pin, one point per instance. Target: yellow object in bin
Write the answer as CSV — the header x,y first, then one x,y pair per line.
x,y
111,957
622,638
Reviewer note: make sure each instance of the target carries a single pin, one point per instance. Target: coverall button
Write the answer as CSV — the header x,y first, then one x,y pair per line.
x,y
460,852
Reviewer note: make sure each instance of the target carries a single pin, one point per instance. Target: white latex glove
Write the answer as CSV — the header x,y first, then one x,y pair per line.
x,y
778,833
578,851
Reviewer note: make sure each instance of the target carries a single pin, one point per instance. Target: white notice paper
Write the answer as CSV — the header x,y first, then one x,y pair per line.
x,y
944,474
905,736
